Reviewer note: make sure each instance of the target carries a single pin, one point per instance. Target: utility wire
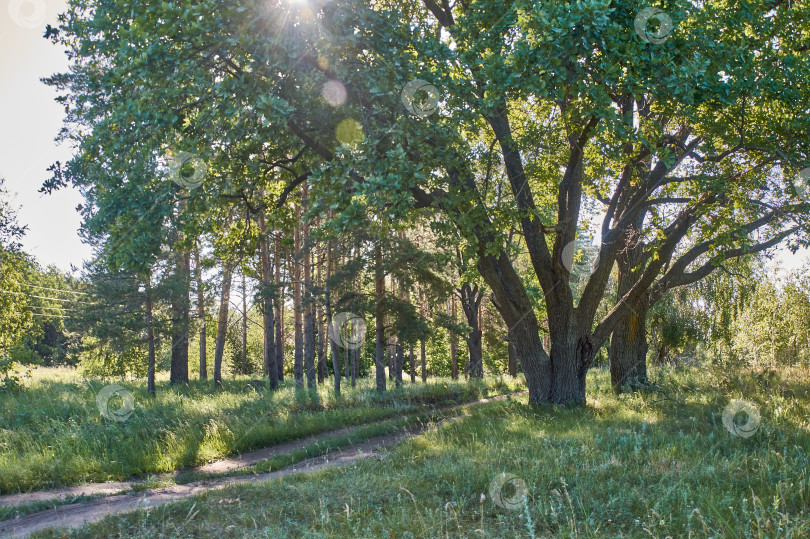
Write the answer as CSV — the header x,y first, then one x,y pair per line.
x,y
50,299
55,289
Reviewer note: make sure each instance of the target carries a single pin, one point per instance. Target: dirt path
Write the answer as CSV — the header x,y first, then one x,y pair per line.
x,y
75,515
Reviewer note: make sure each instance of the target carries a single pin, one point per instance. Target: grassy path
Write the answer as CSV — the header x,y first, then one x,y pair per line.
x,y
77,514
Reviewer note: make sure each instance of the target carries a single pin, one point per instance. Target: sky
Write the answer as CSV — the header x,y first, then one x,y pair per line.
x,y
30,119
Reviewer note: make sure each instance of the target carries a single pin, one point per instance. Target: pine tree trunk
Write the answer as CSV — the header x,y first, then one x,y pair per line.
x,y
322,372
422,356
150,339
279,318
399,360
353,353
309,307
453,341
268,314
201,315
298,359
412,363
243,369
379,351
333,347
222,323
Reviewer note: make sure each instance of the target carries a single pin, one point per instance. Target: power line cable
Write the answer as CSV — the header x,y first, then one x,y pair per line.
x,y
55,289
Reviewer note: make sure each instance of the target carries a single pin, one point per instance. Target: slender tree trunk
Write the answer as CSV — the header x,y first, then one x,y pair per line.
x,y
298,364
398,362
471,297
322,370
412,363
279,303
201,314
150,339
243,369
222,322
347,365
512,366
357,350
379,353
269,349
422,356
333,347
353,353
309,306
180,320
453,341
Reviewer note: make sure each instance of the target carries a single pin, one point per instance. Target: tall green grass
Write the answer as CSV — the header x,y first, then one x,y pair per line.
x,y
655,464
52,433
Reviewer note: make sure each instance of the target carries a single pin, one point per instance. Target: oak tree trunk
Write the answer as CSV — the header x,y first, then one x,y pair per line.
x,y
628,350
180,320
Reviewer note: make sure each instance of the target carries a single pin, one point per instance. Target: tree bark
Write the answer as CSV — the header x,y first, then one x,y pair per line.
x,y
150,339
322,369
471,297
511,367
298,358
422,356
379,351
243,369
333,347
453,341
412,363
222,322
308,305
628,350
268,314
354,356
201,314
279,318
180,320
628,344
